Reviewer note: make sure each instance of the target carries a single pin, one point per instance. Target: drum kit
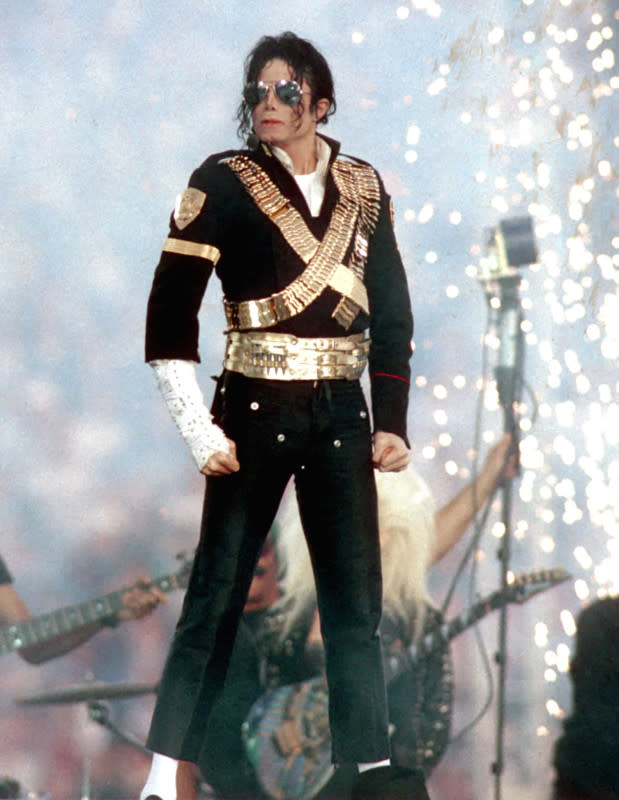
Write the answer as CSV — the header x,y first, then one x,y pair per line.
x,y
92,691
94,694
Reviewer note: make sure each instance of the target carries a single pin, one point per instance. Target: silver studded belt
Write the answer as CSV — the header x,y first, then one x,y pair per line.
x,y
283,357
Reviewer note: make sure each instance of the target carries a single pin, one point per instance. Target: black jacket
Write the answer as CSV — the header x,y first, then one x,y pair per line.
x,y
253,260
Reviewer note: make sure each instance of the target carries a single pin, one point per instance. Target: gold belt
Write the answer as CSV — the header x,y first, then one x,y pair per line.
x,y
283,357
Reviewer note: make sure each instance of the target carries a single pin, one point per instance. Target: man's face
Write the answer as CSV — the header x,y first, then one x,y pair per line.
x,y
277,123
264,589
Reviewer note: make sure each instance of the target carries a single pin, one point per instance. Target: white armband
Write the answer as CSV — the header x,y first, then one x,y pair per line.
x,y
178,385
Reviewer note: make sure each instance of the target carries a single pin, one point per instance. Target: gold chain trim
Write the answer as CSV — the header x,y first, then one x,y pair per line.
x,y
357,181
323,259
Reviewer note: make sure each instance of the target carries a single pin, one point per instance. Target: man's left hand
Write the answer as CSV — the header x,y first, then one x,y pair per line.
x,y
141,600
390,452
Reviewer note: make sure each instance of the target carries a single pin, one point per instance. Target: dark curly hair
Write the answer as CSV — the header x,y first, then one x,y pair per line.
x,y
306,64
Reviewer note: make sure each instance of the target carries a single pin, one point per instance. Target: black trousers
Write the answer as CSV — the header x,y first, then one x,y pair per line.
x,y
320,433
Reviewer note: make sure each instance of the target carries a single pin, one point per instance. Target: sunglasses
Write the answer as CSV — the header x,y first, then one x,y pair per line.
x,y
287,92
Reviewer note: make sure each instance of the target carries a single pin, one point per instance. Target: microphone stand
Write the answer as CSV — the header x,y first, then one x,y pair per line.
x,y
99,712
510,244
509,377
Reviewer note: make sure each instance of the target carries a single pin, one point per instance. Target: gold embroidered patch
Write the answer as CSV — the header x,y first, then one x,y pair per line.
x,y
188,205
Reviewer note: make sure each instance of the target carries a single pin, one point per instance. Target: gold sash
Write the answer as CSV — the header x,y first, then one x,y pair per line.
x,y
355,212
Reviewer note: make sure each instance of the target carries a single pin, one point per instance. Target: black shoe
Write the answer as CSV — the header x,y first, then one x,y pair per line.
x,y
9,787
390,783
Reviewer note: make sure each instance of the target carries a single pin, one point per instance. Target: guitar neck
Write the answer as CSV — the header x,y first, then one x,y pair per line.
x,y
523,588
37,630
440,635
461,623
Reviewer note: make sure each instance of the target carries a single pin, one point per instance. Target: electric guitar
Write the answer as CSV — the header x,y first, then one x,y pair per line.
x,y
37,630
286,733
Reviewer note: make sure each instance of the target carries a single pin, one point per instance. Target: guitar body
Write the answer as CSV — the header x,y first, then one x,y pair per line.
x,y
286,735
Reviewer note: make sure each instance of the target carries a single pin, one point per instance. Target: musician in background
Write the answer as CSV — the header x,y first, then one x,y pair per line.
x,y
279,640
138,601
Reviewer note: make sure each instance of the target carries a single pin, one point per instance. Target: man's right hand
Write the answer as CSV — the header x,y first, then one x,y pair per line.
x,y
221,463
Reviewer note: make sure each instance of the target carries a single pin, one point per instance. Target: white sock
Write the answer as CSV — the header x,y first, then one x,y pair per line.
x,y
364,767
161,780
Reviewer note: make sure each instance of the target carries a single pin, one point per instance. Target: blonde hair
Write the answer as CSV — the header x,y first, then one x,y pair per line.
x,y
407,533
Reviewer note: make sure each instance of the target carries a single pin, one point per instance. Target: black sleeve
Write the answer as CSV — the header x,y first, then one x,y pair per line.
x,y
5,575
189,255
391,326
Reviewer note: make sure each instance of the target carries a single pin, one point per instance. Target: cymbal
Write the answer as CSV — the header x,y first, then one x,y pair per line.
x,y
89,691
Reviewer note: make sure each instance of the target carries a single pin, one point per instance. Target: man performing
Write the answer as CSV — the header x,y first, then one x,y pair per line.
x,y
302,241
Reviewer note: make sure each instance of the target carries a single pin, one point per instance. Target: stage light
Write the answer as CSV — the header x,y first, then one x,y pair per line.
x,y
510,244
